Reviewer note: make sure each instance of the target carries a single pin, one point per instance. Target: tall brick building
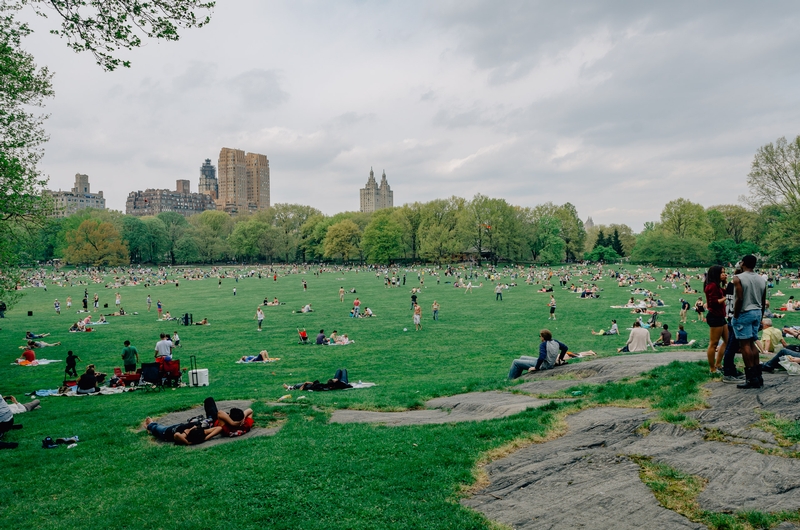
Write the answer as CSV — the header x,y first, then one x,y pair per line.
x,y
243,181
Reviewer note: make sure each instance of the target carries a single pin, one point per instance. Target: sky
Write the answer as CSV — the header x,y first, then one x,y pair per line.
x,y
616,107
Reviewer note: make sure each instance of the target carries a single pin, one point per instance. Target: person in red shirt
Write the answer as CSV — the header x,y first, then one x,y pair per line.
x,y
28,355
714,288
236,423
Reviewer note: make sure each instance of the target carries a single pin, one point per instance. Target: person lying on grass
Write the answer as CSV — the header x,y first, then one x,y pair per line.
x,y
181,433
237,423
203,322
262,357
551,354
32,344
316,386
33,336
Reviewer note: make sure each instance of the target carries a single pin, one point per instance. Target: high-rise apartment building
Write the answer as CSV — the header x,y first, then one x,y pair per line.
x,y
257,181
374,197
243,181
182,201
69,202
208,180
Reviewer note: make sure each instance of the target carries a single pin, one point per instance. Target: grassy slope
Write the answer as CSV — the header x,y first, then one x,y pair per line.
x,y
311,473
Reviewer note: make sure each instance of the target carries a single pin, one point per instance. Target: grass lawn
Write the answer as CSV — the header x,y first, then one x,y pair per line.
x,y
311,474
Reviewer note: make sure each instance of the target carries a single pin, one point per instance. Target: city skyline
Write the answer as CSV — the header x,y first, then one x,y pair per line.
x,y
616,108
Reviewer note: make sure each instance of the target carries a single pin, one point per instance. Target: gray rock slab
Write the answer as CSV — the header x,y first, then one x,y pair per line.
x,y
576,481
577,471
183,415
474,406
602,370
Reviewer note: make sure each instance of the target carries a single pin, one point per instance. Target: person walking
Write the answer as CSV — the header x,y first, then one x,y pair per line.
x,y
149,302
341,294
750,298
552,305
435,308
259,317
498,292
417,317
57,306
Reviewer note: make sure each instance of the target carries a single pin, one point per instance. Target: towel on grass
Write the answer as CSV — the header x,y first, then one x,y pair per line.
x,y
37,362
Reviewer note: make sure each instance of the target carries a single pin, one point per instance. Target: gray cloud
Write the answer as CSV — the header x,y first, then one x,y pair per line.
x,y
259,89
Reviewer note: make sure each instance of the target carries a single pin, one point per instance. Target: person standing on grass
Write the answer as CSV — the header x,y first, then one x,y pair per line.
x,y
130,357
160,308
341,294
552,305
700,309
684,310
356,307
716,278
234,291
750,298
435,308
417,317
305,286
149,302
259,317
176,340
57,306
498,293
96,301
69,303
118,300
413,299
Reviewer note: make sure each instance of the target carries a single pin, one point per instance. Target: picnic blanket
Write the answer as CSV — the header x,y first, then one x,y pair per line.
x,y
37,362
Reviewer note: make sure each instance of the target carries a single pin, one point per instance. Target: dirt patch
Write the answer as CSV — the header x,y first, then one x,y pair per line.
x,y
181,416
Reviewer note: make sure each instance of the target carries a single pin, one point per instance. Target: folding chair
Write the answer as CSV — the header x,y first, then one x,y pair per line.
x,y
151,377
171,372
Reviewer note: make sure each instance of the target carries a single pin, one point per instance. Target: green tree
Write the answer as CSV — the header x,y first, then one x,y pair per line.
x,y
736,221
572,231
23,208
96,243
602,254
137,237
383,237
156,240
664,248
774,177
342,239
686,219
544,234
601,240
176,226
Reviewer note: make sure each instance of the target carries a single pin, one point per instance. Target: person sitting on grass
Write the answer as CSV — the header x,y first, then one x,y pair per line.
x,y
306,309
638,340
368,313
613,330
28,355
683,337
768,312
34,336
774,363
181,433
666,337
551,354
321,338
89,381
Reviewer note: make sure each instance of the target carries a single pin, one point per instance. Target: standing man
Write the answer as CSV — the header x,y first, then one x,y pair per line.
x,y
356,307
750,298
259,317
118,301
341,294
96,302
159,308
417,317
552,304
130,357
498,293
305,286
684,309
413,299
164,348
57,306
149,302
69,303
435,308
234,291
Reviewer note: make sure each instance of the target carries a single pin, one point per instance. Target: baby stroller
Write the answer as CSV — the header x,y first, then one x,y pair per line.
x,y
303,336
653,322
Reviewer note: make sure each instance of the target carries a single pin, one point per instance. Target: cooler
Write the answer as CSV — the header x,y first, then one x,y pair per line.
x,y
198,377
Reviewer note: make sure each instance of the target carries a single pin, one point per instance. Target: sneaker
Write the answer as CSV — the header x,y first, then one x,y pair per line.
x,y
732,379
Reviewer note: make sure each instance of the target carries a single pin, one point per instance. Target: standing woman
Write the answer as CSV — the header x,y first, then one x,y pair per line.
x,y
714,288
700,309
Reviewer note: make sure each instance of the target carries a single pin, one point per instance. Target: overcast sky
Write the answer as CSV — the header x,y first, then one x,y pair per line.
x,y
616,107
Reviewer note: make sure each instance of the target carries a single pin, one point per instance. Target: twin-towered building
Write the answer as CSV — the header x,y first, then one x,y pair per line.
x,y
374,197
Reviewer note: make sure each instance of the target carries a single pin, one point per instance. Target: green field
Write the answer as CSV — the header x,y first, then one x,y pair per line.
x,y
311,474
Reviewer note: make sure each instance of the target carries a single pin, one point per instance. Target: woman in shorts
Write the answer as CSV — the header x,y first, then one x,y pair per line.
x,y
700,309
714,288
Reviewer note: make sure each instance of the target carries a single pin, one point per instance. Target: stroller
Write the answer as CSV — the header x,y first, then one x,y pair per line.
x,y
303,336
